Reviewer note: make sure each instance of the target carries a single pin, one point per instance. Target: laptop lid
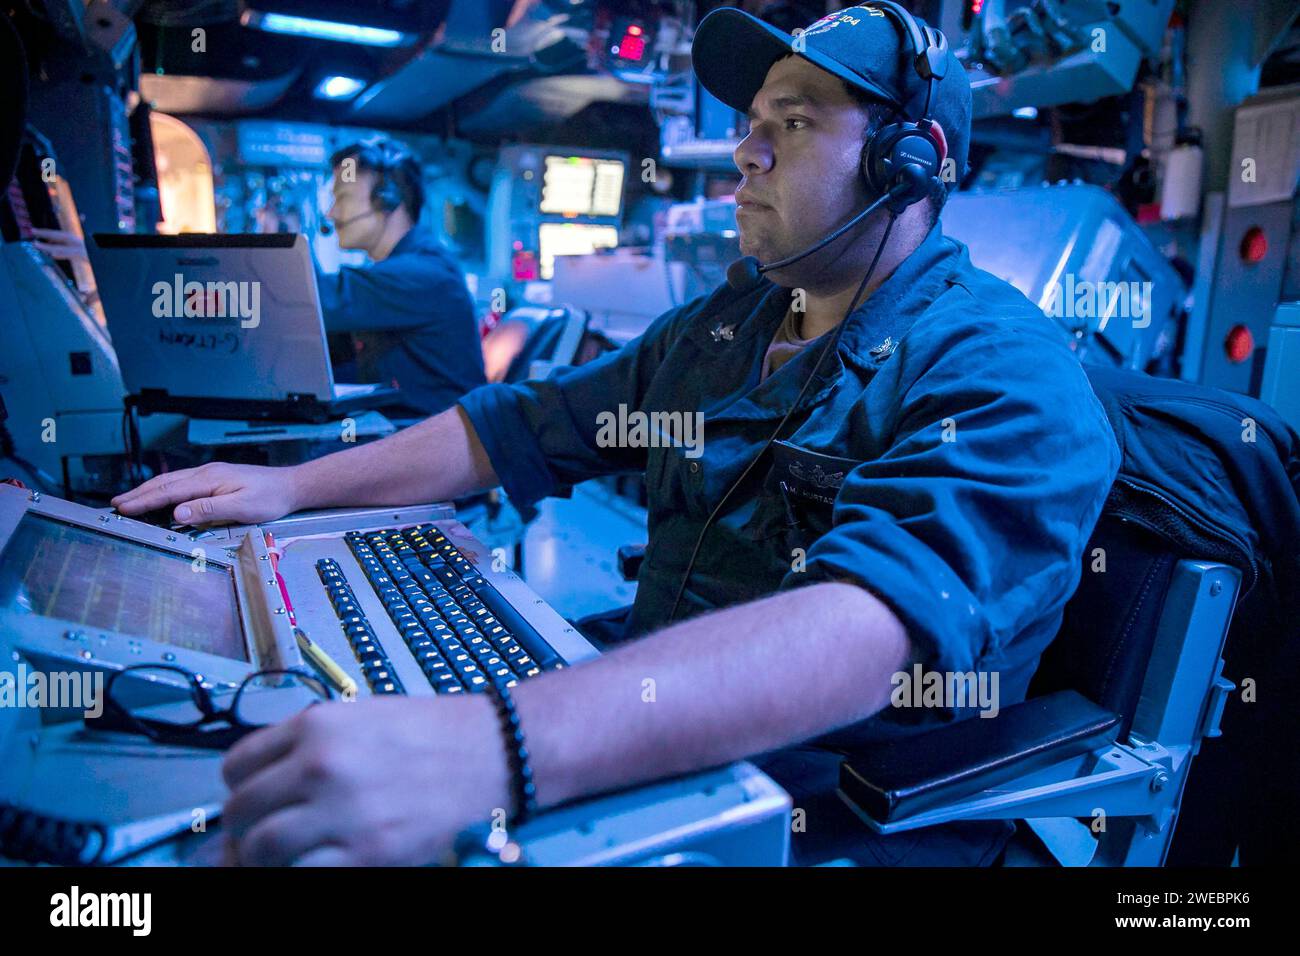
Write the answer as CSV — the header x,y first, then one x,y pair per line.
x,y
214,316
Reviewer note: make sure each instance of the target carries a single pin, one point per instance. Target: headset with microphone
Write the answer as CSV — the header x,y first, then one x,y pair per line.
x,y
329,226
901,164
391,164
746,271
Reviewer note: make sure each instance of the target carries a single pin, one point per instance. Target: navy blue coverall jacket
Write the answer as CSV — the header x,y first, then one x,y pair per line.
x,y
951,458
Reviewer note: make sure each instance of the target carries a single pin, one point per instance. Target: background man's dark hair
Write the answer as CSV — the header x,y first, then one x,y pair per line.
x,y
391,161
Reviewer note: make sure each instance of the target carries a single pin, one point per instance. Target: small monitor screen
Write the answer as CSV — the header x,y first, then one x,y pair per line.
x,y
582,186
56,570
571,239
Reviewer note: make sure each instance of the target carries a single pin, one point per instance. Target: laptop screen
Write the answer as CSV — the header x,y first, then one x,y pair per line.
x,y
214,316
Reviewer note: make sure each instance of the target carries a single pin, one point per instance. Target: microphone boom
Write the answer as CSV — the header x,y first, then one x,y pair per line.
x,y
745,272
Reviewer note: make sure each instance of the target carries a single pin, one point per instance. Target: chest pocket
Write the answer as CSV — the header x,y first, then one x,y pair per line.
x,y
798,495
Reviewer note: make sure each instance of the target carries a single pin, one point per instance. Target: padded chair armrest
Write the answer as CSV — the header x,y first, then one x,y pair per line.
x,y
903,777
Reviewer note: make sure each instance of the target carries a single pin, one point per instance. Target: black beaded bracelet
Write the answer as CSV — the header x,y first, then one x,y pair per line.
x,y
522,789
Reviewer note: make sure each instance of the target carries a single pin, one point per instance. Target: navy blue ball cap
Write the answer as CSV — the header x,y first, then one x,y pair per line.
x,y
861,45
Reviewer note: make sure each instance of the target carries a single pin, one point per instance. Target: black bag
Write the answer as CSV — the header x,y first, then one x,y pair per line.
x,y
1216,476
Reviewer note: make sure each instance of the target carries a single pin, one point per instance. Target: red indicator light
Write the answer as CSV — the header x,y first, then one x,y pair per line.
x,y
1239,343
632,45
524,266
1254,245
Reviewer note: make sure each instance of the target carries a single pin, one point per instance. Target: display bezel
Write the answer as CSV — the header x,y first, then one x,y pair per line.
x,y
591,216
50,642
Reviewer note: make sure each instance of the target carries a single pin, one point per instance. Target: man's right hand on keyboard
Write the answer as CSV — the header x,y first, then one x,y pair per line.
x,y
215,494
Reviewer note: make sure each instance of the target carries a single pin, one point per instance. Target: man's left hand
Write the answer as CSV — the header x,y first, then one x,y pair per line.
x,y
380,781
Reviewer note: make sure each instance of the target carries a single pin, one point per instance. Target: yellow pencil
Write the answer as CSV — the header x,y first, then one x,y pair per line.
x,y
324,664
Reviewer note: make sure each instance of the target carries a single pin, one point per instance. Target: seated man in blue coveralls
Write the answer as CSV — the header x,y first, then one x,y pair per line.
x,y
927,500
409,309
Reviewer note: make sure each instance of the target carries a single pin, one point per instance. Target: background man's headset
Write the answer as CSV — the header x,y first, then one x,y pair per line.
x,y
392,163
900,163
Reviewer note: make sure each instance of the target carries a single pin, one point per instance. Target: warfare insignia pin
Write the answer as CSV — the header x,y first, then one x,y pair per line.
x,y
723,333
817,475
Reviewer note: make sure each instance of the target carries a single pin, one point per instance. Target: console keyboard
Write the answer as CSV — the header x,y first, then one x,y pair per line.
x,y
457,625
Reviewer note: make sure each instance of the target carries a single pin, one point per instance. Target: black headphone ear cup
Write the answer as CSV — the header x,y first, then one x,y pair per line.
x,y
864,164
386,197
875,167
399,180
902,154
875,159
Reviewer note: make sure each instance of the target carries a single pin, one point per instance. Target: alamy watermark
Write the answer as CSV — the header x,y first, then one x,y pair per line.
x,y
1082,299
62,690
133,911
208,300
946,690
638,429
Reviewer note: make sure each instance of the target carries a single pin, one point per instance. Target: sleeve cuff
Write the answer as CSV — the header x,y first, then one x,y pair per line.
x,y
946,635
510,444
